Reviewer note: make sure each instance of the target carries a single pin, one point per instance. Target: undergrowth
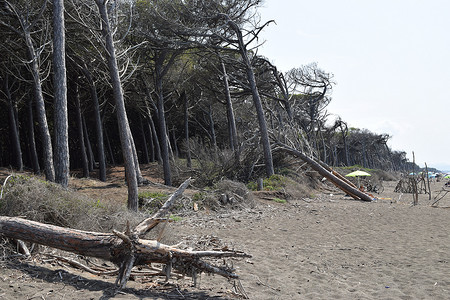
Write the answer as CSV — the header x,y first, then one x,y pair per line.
x,y
46,202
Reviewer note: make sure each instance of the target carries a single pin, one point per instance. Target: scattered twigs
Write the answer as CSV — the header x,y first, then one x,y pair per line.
x,y
440,194
81,266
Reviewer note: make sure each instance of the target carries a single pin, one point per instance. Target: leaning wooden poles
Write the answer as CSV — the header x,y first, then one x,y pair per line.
x,y
126,249
326,172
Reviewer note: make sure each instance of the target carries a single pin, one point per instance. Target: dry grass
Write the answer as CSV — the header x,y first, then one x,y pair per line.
x,y
38,200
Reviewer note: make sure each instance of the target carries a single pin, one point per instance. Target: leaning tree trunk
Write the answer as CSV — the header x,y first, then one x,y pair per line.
x,y
268,160
40,107
121,112
327,173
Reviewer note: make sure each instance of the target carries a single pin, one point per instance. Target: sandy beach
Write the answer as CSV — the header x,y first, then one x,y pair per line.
x,y
327,247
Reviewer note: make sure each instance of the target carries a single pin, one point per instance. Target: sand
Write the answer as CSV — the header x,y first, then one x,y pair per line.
x,y
329,247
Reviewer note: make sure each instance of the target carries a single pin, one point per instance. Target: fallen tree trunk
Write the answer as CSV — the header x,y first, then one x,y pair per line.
x,y
327,173
125,249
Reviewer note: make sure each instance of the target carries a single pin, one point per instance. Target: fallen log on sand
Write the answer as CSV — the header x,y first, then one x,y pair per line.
x,y
125,249
326,172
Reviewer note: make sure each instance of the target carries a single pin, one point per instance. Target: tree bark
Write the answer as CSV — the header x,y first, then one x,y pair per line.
x,y
60,98
40,107
120,106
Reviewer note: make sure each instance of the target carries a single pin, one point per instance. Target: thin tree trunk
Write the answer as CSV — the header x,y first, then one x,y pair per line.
x,y
121,112
186,130
87,141
212,129
84,158
175,146
111,153
139,177
230,114
157,146
144,141
14,125
60,98
31,139
98,124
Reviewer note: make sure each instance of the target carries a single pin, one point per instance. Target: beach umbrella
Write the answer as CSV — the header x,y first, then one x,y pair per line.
x,y
447,176
358,174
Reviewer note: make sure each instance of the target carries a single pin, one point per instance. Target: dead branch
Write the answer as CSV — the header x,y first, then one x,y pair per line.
x,y
125,249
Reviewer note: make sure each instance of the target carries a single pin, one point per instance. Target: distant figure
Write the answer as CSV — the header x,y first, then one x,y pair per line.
x,y
447,183
361,188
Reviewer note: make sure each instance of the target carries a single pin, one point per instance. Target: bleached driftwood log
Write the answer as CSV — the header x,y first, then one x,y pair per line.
x,y
125,249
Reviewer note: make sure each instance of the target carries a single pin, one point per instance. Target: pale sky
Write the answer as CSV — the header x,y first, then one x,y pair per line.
x,y
390,60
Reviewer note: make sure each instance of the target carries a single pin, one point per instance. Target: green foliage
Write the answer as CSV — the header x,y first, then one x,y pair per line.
x,y
275,182
197,197
151,201
278,200
175,218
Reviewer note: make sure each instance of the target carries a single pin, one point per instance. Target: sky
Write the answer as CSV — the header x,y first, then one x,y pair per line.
x,y
390,60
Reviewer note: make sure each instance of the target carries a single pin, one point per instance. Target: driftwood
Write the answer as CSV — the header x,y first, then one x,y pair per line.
x,y
324,170
125,249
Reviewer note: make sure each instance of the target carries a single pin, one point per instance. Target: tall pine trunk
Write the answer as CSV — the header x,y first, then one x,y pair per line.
x,y
46,140
122,118
60,98
268,160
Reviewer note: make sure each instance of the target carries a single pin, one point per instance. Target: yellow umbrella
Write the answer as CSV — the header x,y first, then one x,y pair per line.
x,y
358,174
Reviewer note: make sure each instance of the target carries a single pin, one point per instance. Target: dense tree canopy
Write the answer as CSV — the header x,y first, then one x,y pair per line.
x,y
192,86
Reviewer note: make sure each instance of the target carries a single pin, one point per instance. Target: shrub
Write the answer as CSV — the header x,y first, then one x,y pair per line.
x,y
46,202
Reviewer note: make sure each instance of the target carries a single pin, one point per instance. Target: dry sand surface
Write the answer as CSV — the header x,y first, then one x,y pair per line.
x,y
329,247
